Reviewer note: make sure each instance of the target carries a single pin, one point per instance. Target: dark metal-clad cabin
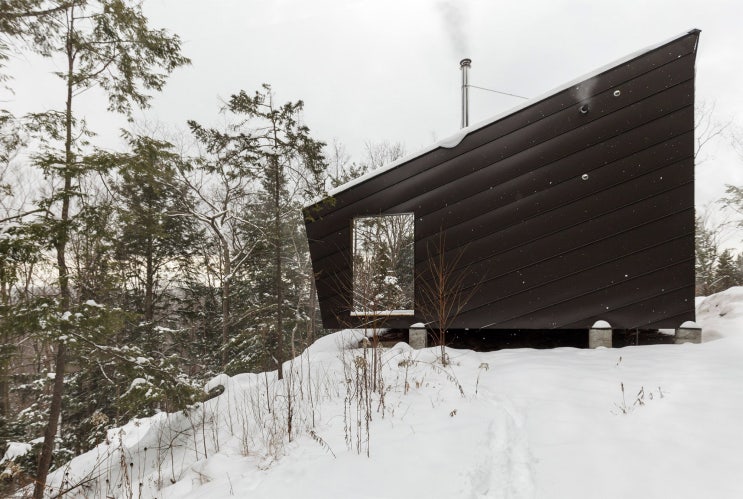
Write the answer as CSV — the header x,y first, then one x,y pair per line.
x,y
575,207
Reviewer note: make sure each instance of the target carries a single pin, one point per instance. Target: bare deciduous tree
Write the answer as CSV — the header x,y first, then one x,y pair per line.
x,y
379,154
443,290
707,127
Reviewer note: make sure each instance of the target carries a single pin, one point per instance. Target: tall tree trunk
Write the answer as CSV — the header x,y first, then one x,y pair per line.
x,y
62,235
4,392
5,360
312,329
45,459
149,292
277,262
226,294
5,376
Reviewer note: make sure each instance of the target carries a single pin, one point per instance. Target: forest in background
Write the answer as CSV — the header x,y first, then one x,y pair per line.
x,y
142,273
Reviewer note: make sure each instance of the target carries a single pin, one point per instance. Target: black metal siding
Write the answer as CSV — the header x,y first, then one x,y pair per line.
x,y
543,245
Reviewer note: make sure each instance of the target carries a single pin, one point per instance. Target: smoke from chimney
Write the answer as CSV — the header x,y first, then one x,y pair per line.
x,y
454,18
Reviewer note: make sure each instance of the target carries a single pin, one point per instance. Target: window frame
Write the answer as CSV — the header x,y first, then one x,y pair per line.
x,y
397,312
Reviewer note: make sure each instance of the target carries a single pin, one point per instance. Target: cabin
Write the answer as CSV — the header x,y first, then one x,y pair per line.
x,y
574,208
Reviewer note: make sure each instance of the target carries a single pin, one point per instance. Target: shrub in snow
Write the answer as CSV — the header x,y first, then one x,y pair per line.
x,y
18,465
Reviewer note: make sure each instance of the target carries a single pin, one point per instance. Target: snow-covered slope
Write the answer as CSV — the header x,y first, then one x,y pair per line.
x,y
651,421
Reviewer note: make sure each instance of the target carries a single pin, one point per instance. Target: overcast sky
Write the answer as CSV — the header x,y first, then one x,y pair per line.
x,y
373,70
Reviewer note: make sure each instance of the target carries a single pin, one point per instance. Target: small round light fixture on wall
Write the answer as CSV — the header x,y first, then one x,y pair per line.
x,y
617,93
583,109
584,176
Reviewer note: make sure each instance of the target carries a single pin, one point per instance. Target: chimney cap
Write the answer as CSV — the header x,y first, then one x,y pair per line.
x,y
465,63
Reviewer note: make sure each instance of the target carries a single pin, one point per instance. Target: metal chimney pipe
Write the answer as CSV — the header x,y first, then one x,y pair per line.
x,y
464,65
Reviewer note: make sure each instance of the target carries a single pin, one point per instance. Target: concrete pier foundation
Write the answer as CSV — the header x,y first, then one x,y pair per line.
x,y
417,335
600,335
688,332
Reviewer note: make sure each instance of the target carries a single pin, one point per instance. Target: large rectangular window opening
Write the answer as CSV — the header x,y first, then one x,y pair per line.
x,y
383,265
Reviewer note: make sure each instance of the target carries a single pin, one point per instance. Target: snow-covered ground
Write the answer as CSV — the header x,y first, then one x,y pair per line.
x,y
509,424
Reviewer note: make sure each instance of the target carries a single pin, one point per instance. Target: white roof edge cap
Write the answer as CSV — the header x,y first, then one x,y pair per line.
x,y
690,325
454,139
601,325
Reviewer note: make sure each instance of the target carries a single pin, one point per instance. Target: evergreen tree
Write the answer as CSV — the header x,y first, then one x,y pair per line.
x,y
26,21
271,152
733,200
152,235
222,181
290,166
105,43
91,248
706,252
726,273
18,251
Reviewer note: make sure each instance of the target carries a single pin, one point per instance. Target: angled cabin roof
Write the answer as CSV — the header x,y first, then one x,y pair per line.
x,y
574,207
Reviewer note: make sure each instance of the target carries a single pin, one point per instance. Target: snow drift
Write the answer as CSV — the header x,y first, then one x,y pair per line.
x,y
651,421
